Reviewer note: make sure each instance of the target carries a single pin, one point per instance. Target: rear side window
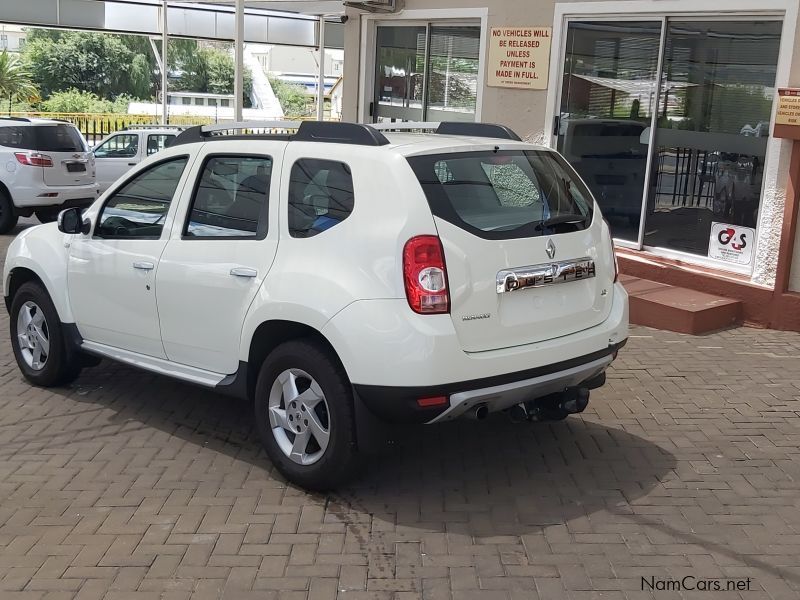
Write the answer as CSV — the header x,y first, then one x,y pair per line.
x,y
138,208
44,138
505,194
320,196
157,141
17,137
58,138
231,198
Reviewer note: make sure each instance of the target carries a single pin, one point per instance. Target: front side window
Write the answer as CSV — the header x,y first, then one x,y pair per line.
x,y
138,208
231,198
505,194
119,146
320,196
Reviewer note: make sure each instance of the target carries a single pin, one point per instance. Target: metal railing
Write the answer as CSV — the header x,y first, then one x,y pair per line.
x,y
96,126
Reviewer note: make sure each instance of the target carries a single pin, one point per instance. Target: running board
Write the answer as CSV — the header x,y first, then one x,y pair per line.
x,y
155,365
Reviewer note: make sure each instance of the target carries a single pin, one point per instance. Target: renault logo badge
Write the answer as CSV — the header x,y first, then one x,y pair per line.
x,y
551,249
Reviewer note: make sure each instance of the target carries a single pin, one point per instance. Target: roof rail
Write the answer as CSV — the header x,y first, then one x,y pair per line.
x,y
154,126
340,133
487,130
301,131
406,125
23,119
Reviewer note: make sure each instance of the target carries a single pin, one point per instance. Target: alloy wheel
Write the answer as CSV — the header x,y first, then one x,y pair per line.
x,y
299,416
33,335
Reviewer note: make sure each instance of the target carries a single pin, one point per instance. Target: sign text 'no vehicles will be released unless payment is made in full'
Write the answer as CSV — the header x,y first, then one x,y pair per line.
x,y
519,57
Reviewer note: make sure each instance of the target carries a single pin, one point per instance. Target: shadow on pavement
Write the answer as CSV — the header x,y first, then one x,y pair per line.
x,y
483,479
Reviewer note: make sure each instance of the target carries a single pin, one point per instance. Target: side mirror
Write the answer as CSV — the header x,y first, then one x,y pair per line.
x,y
71,220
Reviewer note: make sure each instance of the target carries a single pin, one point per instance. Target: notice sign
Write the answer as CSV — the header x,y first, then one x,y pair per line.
x,y
787,118
519,57
731,243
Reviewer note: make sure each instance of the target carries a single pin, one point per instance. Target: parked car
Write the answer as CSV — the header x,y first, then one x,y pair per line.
x,y
117,153
47,167
611,157
336,277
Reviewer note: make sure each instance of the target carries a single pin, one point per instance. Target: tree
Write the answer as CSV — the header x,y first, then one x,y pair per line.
x,y
104,64
15,80
205,69
293,98
77,101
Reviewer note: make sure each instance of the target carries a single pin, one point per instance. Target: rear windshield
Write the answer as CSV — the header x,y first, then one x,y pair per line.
x,y
505,194
44,138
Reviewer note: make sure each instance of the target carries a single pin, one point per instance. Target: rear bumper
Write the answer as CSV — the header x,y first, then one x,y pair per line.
x,y
399,404
66,196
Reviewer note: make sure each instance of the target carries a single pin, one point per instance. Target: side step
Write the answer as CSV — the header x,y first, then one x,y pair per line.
x,y
682,310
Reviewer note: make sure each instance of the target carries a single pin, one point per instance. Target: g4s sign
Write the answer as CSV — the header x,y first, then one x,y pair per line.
x,y
731,243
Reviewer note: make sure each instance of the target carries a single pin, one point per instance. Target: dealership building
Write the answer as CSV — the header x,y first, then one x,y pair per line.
x,y
666,108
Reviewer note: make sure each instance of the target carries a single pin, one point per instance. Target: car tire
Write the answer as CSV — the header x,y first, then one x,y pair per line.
x,y
8,216
46,216
38,340
304,415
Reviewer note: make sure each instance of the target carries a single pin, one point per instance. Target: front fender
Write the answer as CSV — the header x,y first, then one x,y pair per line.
x,y
44,250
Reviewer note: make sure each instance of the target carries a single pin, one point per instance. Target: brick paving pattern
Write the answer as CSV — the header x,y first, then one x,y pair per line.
x,y
129,486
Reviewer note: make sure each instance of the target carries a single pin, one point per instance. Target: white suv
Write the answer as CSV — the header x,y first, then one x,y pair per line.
x,y
331,276
47,166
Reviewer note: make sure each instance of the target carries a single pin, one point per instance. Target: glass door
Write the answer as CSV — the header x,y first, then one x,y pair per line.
x,y
426,73
400,76
715,103
608,99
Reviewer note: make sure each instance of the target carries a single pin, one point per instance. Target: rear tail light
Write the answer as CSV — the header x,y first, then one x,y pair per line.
x,y
616,262
425,275
33,159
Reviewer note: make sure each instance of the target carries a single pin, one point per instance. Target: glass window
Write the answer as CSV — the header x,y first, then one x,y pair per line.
x,y
186,100
506,194
426,73
58,138
715,104
231,198
453,73
119,146
50,138
139,207
320,196
212,101
607,103
224,102
17,137
157,141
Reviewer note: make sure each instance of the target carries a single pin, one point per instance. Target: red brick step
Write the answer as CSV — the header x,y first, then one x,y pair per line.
x,y
673,308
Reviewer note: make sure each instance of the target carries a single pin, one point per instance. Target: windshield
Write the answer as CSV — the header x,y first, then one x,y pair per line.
x,y
505,194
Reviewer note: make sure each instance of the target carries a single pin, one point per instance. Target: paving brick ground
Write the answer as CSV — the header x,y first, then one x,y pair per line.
x,y
130,486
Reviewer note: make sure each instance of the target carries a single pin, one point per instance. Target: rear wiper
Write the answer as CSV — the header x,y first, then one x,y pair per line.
x,y
567,219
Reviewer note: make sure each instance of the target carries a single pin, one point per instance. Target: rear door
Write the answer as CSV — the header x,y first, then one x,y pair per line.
x,y
221,248
528,259
72,161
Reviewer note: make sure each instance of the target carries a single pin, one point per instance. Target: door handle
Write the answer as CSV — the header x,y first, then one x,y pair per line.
x,y
244,272
131,164
144,265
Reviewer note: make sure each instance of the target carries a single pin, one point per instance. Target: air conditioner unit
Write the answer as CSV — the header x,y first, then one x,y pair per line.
x,y
376,6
